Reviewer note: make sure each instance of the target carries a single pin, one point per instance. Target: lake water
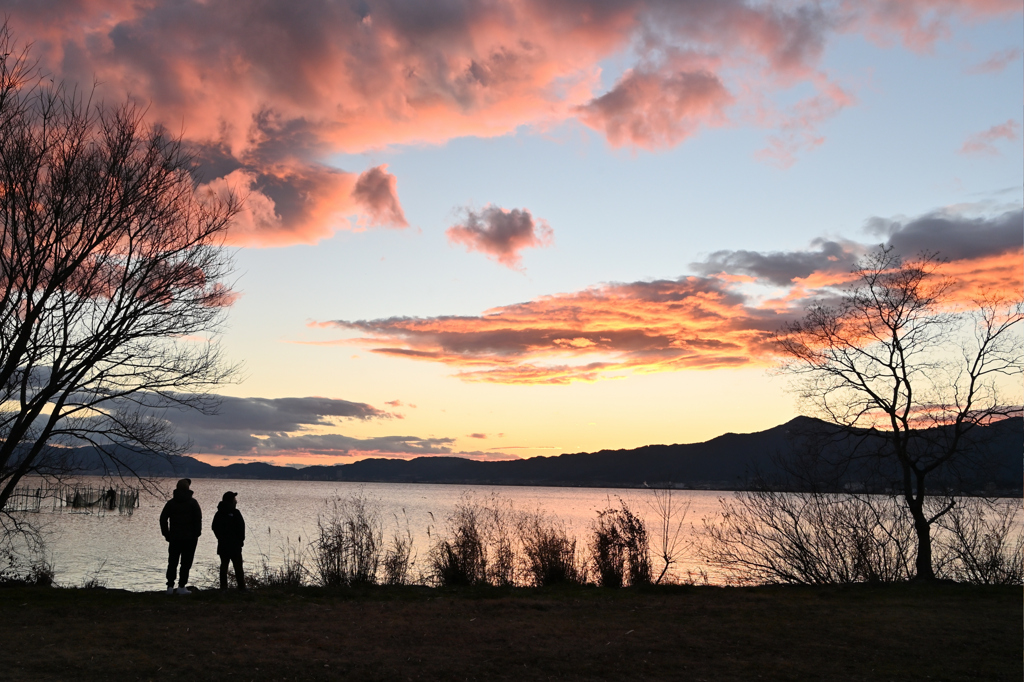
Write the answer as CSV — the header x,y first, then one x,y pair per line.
x,y
128,552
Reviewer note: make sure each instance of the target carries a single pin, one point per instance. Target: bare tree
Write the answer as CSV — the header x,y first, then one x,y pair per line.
x,y
895,362
111,268
669,540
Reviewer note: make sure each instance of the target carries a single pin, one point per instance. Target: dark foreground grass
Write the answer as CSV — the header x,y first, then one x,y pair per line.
x,y
903,632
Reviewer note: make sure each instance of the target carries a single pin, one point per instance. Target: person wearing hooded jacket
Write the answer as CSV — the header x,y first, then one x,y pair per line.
x,y
181,523
229,527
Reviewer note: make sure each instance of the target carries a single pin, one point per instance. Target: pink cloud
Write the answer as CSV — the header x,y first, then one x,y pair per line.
x,y
268,96
301,203
984,142
997,62
656,110
288,204
376,191
919,24
500,233
798,129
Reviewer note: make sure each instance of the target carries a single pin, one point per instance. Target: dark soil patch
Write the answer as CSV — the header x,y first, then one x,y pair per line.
x,y
902,632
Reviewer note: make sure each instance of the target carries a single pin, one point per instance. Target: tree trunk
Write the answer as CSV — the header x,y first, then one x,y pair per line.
x,y
924,546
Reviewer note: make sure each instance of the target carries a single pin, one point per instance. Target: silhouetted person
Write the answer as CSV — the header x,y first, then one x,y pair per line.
x,y
111,499
229,527
181,523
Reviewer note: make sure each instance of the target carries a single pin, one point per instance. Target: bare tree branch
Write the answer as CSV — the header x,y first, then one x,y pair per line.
x,y
896,358
113,274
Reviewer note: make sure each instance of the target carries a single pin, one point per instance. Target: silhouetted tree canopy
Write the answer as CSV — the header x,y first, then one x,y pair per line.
x,y
112,270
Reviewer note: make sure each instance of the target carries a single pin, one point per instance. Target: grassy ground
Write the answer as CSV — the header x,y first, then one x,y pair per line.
x,y
903,632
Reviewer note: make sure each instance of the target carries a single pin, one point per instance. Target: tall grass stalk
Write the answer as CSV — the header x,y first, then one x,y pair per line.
x,y
460,556
398,558
480,546
350,544
291,572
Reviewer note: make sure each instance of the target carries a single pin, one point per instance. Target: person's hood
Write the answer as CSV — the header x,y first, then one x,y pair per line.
x,y
182,495
225,506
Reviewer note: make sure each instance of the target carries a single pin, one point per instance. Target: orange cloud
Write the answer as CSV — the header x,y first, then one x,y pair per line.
x,y
997,274
694,322
357,77
603,331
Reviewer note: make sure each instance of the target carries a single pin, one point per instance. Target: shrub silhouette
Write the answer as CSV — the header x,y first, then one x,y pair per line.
x,y
767,536
620,549
982,543
549,553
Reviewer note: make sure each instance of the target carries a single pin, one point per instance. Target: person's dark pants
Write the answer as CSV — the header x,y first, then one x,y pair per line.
x,y
236,560
184,550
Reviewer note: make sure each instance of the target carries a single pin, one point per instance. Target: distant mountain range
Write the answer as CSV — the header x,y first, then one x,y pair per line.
x,y
728,462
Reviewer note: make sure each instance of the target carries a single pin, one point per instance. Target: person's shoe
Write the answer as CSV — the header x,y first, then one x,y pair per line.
x,y
182,590
170,590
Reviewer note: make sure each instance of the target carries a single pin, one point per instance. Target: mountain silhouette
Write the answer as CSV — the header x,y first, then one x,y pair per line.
x,y
728,462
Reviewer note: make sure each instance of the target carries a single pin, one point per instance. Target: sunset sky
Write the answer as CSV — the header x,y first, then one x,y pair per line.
x,y
511,228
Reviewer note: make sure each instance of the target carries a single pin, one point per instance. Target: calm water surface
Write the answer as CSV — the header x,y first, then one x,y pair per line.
x,y
128,552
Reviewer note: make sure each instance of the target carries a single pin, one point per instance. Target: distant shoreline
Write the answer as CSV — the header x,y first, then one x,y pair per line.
x,y
729,462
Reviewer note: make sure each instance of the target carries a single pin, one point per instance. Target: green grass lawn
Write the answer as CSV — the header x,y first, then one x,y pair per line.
x,y
901,632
